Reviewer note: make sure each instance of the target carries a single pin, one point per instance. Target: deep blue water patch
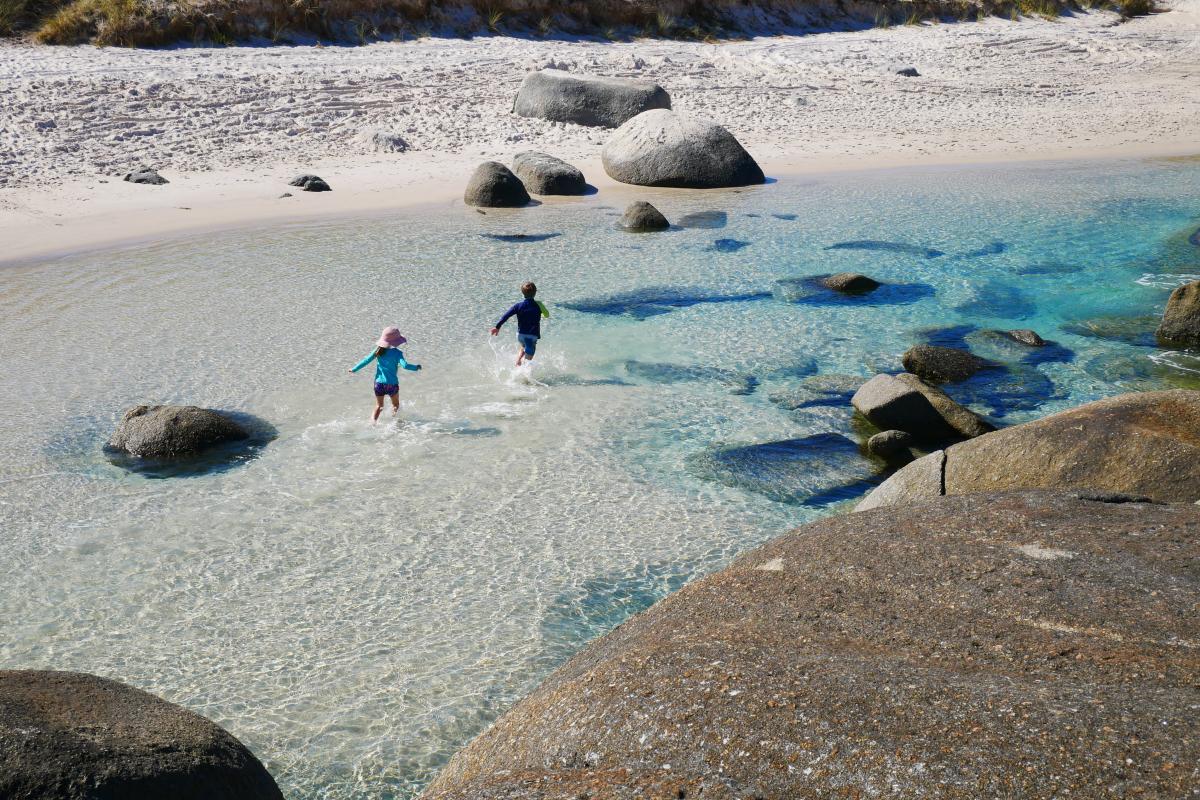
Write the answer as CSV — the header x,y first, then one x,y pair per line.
x,y
520,237
1007,390
654,300
877,246
993,298
1048,268
738,383
948,336
727,245
811,470
810,291
220,458
992,249
703,219
998,346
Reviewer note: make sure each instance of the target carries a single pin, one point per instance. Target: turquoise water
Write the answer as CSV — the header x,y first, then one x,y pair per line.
x,y
356,602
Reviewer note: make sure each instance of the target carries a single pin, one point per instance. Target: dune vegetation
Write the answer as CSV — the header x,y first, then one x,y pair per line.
x,y
148,23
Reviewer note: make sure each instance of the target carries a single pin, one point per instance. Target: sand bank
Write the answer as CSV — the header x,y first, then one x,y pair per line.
x,y
229,126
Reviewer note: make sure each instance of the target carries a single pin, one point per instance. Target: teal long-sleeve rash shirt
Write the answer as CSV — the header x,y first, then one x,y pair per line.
x,y
387,366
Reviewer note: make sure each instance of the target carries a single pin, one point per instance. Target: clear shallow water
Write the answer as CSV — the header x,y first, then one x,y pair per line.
x,y
357,602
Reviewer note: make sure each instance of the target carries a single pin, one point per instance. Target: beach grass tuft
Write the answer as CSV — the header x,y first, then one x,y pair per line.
x,y
149,23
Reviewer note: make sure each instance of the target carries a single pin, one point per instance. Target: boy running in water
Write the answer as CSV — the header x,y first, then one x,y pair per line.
x,y
529,313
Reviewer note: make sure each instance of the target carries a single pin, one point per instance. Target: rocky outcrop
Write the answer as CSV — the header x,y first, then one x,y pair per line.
x,y
1142,444
662,148
586,100
544,174
383,141
310,183
641,217
905,403
72,736
941,364
1027,645
849,283
493,185
1180,326
147,176
173,431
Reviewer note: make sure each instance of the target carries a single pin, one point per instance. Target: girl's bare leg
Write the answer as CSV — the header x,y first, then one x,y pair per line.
x,y
395,402
378,408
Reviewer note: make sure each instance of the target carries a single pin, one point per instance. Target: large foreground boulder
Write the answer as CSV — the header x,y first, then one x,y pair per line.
x,y
1030,645
542,173
173,431
72,736
586,100
493,185
1142,444
1180,326
906,403
662,148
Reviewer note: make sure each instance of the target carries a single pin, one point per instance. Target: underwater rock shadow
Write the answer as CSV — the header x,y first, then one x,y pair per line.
x,y
654,300
998,300
519,237
726,246
811,470
877,246
213,460
810,291
991,249
710,220
739,383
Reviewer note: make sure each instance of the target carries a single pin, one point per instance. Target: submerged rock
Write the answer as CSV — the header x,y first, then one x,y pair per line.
x,y
641,217
886,444
1026,337
704,219
1019,387
1028,645
1143,444
309,183
727,245
1180,326
942,364
493,185
173,431
999,300
810,470
545,174
814,290
72,736
877,246
652,301
818,390
1136,330
661,148
850,283
520,237
147,176
738,382
586,100
904,402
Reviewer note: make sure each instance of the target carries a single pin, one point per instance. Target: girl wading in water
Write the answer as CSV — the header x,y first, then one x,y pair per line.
x,y
388,359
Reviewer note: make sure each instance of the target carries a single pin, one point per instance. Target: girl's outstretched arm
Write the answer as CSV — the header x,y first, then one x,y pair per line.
x,y
364,362
410,367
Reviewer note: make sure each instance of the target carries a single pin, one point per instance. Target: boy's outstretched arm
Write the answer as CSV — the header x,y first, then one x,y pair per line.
x,y
504,319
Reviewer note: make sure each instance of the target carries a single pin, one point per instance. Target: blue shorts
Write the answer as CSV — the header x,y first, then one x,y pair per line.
x,y
529,342
386,388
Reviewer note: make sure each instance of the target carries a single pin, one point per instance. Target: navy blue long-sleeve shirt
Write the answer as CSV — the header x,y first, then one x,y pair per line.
x,y
529,315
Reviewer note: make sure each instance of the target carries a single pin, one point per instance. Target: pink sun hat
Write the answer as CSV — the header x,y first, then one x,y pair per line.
x,y
391,338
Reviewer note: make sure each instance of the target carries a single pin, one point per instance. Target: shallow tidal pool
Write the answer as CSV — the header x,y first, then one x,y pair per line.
x,y
356,602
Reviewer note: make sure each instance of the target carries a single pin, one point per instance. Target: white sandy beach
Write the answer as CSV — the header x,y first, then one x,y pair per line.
x,y
229,126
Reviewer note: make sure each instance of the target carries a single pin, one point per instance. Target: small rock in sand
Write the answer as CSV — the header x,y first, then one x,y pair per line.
x,y
643,217
383,141
908,72
147,176
310,183
495,186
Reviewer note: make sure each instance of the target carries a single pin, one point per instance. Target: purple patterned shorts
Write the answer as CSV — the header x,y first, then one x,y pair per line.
x,y
386,388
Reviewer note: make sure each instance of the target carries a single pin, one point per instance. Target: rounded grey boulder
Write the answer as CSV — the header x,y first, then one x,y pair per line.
x,y
1180,325
173,431
642,217
544,174
73,736
1027,337
1030,645
941,364
662,148
849,283
147,176
495,186
904,402
889,443
1143,444
585,100
310,183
